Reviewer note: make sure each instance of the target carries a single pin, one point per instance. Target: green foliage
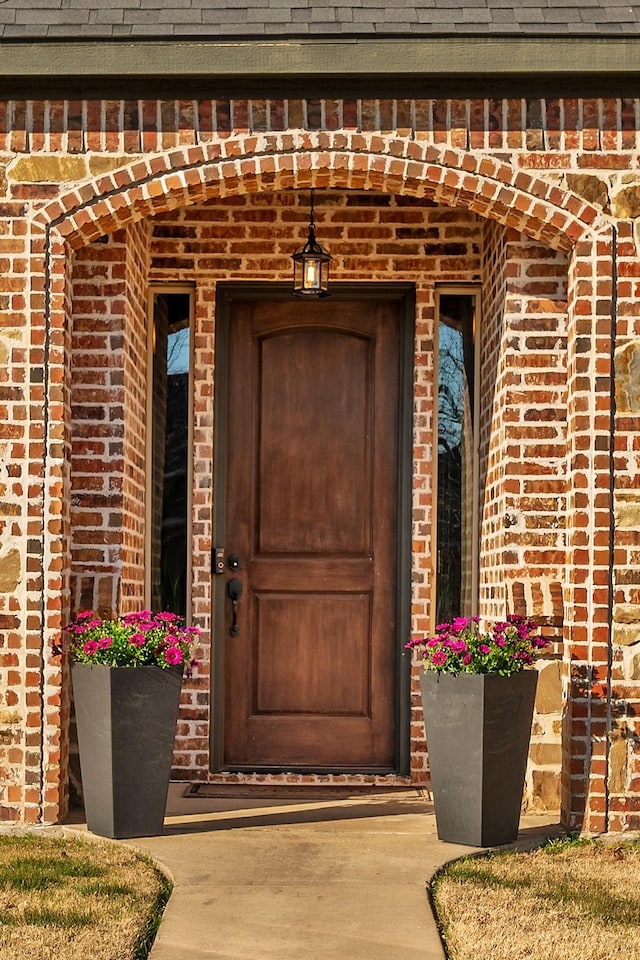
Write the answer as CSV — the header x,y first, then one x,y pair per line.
x,y
38,873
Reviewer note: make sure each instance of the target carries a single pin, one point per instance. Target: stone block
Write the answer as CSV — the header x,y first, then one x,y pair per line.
x,y
591,188
627,516
100,165
626,613
546,754
627,364
618,766
626,636
632,667
10,571
625,205
549,697
41,168
545,790
8,717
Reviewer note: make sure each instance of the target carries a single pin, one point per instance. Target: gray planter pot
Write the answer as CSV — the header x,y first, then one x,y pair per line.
x,y
126,720
478,729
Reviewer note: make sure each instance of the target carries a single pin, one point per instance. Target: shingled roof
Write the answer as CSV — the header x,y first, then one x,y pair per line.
x,y
219,19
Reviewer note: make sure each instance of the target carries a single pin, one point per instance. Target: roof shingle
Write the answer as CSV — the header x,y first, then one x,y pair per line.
x,y
219,19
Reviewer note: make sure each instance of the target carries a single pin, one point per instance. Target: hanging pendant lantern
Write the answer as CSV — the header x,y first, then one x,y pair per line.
x,y
311,265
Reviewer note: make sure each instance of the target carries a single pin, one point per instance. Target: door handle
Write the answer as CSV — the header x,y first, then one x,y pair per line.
x,y
234,589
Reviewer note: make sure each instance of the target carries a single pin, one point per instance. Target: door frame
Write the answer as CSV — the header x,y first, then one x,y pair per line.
x,y
227,293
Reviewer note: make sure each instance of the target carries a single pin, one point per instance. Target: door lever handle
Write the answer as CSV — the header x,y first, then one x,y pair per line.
x,y
234,589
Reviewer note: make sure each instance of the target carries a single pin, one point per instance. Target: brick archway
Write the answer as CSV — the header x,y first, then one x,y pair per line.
x,y
481,184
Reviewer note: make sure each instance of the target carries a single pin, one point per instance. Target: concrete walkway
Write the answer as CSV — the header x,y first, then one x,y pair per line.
x,y
319,880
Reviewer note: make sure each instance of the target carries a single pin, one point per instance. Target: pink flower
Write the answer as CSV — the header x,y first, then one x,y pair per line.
x,y
467,659
484,648
167,617
137,639
90,647
105,642
173,655
439,658
460,623
458,646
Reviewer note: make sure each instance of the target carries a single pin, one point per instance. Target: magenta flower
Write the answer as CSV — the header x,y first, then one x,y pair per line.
x,y
463,646
133,640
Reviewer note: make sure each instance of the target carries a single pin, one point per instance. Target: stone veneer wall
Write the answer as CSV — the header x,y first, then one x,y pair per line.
x,y
561,172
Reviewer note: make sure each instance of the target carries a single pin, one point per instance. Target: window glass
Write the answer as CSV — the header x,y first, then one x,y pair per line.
x,y
170,453
455,514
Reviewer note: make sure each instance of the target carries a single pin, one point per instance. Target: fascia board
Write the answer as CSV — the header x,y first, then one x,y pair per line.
x,y
449,57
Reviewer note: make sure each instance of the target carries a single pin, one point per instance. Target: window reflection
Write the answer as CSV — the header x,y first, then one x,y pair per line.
x,y
455,534
170,446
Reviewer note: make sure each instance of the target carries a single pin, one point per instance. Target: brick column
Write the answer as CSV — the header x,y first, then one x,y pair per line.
x,y
587,592
624,754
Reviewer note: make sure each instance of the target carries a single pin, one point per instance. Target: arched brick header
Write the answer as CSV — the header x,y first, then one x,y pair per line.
x,y
385,164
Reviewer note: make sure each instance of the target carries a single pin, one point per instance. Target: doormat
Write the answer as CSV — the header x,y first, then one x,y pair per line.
x,y
234,791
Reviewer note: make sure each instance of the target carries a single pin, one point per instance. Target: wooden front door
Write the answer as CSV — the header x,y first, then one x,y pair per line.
x,y
311,426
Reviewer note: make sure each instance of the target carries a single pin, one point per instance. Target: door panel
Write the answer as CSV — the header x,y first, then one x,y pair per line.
x,y
311,511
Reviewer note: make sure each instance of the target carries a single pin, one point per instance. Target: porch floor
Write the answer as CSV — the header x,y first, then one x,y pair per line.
x,y
273,879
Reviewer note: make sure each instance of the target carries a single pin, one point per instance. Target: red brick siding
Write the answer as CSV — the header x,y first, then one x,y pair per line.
x,y
530,165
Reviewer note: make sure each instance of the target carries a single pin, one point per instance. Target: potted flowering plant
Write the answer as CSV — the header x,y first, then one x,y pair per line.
x,y
478,695
127,676
134,640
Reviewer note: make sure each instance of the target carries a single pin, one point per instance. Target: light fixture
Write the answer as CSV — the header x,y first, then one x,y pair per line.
x,y
311,265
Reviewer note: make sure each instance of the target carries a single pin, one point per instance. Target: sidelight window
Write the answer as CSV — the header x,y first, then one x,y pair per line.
x,y
168,524
456,481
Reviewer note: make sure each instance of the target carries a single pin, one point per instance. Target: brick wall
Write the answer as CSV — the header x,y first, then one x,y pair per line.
x,y
557,174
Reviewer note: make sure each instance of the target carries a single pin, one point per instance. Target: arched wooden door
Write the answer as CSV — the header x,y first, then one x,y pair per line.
x,y
310,422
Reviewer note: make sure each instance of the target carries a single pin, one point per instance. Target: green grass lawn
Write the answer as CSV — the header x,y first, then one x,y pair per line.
x,y
63,898
569,900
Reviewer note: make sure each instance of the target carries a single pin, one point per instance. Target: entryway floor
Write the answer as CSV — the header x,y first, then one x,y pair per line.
x,y
320,879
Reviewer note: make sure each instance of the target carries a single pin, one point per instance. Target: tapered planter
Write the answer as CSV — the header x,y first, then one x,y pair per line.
x,y
478,729
126,719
